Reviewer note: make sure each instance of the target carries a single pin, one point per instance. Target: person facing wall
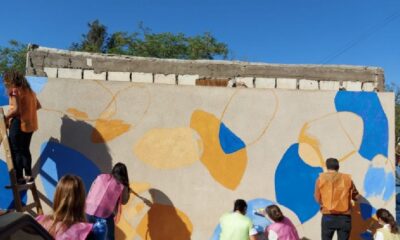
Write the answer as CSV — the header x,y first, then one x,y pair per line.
x,y
21,119
68,219
389,230
281,228
107,193
235,225
334,192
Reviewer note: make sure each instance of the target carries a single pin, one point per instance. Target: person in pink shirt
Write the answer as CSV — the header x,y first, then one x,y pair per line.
x,y
281,228
68,221
107,193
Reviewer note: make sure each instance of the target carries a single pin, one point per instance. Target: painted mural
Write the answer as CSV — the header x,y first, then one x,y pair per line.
x,y
191,151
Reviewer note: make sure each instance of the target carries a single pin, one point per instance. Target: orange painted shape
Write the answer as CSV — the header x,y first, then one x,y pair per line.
x,y
227,169
165,222
106,130
77,114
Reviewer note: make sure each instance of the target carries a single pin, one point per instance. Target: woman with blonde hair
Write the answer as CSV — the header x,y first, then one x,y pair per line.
x,y
68,220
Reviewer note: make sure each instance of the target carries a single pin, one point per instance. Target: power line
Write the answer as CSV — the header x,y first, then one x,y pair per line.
x,y
360,38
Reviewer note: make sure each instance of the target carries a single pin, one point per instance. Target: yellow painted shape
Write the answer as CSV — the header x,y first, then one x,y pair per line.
x,y
77,114
123,229
168,148
106,130
139,207
309,148
139,187
227,169
165,222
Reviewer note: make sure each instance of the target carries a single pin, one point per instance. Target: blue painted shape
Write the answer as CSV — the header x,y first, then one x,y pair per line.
x,y
230,143
366,236
367,211
255,204
37,83
374,182
3,93
295,183
368,107
6,195
57,160
216,233
390,186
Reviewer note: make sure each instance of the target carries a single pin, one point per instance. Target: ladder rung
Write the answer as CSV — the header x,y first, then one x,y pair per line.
x,y
29,206
25,186
21,187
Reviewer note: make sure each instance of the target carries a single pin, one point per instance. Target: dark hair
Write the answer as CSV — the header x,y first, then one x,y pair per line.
x,y
13,78
332,164
274,213
388,218
240,205
120,172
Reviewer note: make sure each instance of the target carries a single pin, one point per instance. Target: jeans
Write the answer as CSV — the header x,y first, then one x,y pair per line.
x,y
109,226
19,146
339,223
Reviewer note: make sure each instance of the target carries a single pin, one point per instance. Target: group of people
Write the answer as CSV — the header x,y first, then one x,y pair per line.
x,y
334,191
237,226
74,214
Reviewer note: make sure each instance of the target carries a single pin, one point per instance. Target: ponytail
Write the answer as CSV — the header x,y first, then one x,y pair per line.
x,y
387,218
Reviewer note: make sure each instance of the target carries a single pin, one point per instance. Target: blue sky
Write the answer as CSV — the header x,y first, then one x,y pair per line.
x,y
279,31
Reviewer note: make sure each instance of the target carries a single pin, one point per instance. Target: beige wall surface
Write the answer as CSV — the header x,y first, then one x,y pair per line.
x,y
191,151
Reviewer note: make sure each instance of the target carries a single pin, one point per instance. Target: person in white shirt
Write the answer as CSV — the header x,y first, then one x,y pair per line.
x,y
389,231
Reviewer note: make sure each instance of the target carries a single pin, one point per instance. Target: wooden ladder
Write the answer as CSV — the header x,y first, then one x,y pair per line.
x,y
17,188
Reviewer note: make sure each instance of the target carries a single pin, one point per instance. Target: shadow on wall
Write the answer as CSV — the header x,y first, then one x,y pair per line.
x,y
362,219
72,154
163,220
77,135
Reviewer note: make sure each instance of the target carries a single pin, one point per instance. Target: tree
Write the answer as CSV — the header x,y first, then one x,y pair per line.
x,y
94,40
145,43
13,56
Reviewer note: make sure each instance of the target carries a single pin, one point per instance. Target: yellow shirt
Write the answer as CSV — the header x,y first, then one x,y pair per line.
x,y
235,226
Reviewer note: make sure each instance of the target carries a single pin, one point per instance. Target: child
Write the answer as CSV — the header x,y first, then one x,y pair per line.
x,y
106,194
22,121
68,220
389,231
281,228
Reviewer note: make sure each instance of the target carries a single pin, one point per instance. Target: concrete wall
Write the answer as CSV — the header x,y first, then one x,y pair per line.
x,y
191,151
66,64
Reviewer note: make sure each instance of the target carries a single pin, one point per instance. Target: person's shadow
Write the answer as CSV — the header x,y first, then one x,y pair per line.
x,y
73,153
362,221
164,221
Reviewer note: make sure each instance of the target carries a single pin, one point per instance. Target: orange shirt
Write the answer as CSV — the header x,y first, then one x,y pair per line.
x,y
334,191
27,107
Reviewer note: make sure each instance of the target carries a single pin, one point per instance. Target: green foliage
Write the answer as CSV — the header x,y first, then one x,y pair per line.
x,y
13,56
145,43
94,40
